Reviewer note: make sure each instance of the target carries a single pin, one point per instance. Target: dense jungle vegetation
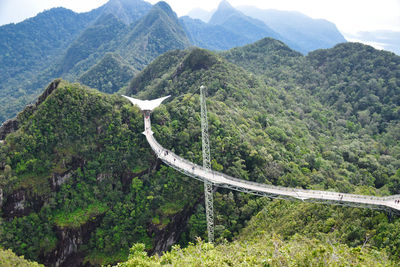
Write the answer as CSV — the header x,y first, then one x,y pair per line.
x,y
282,234
79,165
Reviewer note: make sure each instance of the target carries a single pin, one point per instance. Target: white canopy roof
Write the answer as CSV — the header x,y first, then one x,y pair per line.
x,y
146,104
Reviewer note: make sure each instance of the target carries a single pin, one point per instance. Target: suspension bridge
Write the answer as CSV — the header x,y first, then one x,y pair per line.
x,y
210,177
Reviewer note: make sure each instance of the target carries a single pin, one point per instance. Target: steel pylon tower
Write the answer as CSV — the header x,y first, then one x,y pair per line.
x,y
208,187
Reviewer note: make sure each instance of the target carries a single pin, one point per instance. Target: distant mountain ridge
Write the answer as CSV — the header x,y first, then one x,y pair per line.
x,y
237,22
127,11
61,43
28,48
307,33
300,32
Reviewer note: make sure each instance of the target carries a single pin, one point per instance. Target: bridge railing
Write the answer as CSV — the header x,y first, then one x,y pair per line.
x,y
160,149
319,193
316,193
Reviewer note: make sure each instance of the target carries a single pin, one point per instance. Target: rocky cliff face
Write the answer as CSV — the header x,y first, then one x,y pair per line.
x,y
7,127
20,203
69,240
1,198
171,234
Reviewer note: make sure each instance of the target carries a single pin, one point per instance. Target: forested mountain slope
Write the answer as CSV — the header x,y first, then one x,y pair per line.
x,y
79,183
98,36
109,75
80,180
365,86
138,44
61,43
29,47
158,32
344,78
132,29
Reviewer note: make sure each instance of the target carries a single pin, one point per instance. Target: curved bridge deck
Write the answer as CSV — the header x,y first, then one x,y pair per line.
x,y
391,203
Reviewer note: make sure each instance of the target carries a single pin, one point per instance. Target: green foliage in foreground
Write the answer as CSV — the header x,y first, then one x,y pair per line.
x,y
269,240
268,250
9,259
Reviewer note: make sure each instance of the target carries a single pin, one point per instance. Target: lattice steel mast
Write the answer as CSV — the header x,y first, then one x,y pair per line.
x,y
208,187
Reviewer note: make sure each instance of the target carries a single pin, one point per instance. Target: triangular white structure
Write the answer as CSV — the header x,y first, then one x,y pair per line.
x,y
147,104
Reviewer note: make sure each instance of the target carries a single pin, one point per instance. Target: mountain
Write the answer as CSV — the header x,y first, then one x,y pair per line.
x,y
156,33
81,196
237,22
29,47
98,36
33,52
350,86
213,37
246,24
132,29
371,94
80,185
127,11
227,28
109,75
61,43
305,33
265,56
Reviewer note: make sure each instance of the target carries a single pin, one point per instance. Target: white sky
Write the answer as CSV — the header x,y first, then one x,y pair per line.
x,y
349,16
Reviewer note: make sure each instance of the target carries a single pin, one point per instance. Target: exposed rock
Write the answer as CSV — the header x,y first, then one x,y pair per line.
x,y
15,205
170,234
20,203
50,88
1,198
58,179
69,240
9,126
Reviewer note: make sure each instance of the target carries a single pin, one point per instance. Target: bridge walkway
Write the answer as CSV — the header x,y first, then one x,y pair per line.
x,y
222,180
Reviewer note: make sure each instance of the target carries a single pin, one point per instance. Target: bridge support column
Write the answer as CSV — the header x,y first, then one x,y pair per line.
x,y
209,203
208,191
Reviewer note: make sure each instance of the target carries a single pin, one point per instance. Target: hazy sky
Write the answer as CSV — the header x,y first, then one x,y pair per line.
x,y
349,16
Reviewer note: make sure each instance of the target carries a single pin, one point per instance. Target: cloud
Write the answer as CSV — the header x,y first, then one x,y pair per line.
x,y
18,10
